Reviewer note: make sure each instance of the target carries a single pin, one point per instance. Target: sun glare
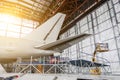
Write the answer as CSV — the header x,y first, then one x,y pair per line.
x,y
15,27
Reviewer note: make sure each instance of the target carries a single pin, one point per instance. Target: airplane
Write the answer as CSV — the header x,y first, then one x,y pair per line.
x,y
9,77
41,41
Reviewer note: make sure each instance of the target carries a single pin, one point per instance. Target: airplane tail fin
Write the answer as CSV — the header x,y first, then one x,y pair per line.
x,y
49,30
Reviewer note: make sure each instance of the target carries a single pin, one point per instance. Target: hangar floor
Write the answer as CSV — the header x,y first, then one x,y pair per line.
x,y
61,77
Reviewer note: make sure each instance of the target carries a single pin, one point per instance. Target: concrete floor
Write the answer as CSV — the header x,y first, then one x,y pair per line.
x,y
60,77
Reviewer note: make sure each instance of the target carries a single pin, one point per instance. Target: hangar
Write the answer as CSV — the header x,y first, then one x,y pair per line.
x,y
59,39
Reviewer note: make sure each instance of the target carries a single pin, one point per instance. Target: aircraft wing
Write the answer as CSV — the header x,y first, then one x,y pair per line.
x,y
62,44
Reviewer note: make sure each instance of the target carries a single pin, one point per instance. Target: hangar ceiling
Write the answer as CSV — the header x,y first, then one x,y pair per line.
x,y
41,10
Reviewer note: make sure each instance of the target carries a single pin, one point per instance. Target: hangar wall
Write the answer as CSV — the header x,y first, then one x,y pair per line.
x,y
12,26
104,24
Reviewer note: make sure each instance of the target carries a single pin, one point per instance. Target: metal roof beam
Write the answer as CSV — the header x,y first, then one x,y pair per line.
x,y
60,5
40,3
31,5
81,15
76,9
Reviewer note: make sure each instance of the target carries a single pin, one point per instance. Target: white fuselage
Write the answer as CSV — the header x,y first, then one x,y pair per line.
x,y
16,47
